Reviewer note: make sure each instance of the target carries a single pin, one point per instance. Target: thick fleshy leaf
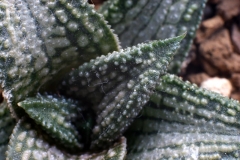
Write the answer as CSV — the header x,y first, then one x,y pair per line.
x,y
137,21
7,124
187,122
199,103
55,115
41,40
27,143
181,141
125,79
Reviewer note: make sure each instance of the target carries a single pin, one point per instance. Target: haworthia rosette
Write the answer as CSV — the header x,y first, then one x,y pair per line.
x,y
27,143
7,124
137,21
41,40
55,116
182,118
125,80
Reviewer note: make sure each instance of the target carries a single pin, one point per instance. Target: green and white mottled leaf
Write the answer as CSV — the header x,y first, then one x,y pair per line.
x,y
137,21
55,115
27,143
41,40
181,141
7,124
125,80
199,103
188,122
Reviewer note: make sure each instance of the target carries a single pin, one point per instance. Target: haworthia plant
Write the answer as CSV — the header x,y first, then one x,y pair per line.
x,y
96,90
130,77
43,40
137,21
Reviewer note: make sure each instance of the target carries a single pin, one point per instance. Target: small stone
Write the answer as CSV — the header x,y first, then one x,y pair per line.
x,y
228,9
217,53
209,68
220,85
218,46
208,28
215,22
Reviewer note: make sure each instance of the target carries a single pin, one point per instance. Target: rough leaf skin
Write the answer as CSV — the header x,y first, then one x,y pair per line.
x,y
187,121
26,143
181,141
137,21
55,116
41,40
200,103
126,79
7,124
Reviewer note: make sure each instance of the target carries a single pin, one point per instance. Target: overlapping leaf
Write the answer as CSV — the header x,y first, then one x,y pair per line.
x,y
41,40
125,80
137,21
55,115
27,142
184,121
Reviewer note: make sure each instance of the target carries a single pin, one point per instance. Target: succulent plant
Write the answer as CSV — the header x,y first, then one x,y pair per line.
x,y
71,91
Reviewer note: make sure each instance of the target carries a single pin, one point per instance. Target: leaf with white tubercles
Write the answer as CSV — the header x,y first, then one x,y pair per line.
x,y
181,141
200,104
55,115
28,143
183,119
123,81
41,40
7,124
137,21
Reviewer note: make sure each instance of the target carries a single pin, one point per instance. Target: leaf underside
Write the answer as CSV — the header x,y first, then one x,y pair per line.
x,y
41,40
55,116
26,143
125,80
185,121
137,21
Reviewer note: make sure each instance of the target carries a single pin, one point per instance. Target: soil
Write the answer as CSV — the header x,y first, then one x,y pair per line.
x,y
215,51
216,48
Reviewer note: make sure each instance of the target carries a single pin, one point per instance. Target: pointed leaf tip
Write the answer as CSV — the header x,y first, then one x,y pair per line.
x,y
135,22
55,116
119,84
183,36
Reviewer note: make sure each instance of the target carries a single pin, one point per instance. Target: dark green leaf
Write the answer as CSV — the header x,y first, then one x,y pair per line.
x,y
125,79
41,40
55,116
27,143
184,121
137,21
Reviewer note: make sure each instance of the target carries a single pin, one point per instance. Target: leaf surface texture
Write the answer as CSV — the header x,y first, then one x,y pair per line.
x,y
137,21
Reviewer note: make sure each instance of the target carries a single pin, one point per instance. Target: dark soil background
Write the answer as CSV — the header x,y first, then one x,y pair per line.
x,y
216,48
